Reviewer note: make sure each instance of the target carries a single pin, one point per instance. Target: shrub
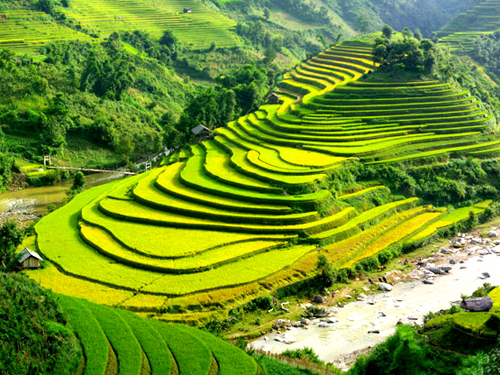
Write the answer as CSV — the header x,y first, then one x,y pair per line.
x,y
46,343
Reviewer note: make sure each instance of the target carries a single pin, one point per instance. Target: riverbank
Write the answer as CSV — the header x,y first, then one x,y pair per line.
x,y
433,284
31,203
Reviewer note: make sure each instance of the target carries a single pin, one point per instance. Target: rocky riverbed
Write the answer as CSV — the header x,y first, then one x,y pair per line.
x,y
339,334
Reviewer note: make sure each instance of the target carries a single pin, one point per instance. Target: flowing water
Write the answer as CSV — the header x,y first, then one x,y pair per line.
x,y
30,203
381,312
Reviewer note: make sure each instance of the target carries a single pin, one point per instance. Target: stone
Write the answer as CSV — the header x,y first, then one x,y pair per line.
x,y
458,242
452,261
477,240
486,274
376,331
319,299
399,322
428,282
385,287
347,296
477,304
281,323
412,318
436,270
361,297
445,251
492,233
285,338
329,320
324,325
445,268
305,321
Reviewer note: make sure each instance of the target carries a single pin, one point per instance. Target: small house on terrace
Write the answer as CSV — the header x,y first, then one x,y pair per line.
x,y
201,132
273,98
29,259
188,10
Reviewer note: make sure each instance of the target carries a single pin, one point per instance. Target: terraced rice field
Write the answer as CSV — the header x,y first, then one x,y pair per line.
x,y
26,31
460,33
117,341
247,212
196,30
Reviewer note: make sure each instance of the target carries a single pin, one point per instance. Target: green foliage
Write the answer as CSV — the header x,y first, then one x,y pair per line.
x,y
274,367
5,168
409,54
303,353
405,353
327,274
78,181
35,335
10,237
237,93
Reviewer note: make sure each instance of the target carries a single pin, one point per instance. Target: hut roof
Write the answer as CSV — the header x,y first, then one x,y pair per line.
x,y
272,95
200,129
27,253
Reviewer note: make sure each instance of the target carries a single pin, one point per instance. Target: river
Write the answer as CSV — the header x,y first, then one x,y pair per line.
x,y
30,203
382,311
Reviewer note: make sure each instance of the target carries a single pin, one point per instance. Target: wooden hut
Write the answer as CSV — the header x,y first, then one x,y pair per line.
x,y
29,259
273,98
188,10
201,132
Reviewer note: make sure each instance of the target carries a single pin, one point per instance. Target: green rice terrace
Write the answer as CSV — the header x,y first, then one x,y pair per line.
x,y
118,341
249,211
460,33
26,31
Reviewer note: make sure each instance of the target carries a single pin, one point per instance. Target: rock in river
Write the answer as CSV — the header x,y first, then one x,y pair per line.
x,y
385,287
477,304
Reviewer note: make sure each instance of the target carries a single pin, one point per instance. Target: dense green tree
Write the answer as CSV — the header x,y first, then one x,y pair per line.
x,y
78,182
387,31
168,39
46,6
407,33
10,237
418,34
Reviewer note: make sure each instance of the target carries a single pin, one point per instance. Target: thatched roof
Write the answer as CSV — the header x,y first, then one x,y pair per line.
x,y
273,96
27,253
200,130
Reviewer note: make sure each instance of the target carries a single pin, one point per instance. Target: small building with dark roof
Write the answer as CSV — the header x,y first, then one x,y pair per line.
x,y
187,10
201,131
29,259
273,98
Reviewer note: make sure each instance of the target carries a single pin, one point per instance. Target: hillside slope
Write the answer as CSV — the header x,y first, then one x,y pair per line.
x,y
65,335
483,18
250,211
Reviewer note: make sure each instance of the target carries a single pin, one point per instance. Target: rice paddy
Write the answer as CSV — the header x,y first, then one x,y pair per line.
x,y
461,32
26,31
234,217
